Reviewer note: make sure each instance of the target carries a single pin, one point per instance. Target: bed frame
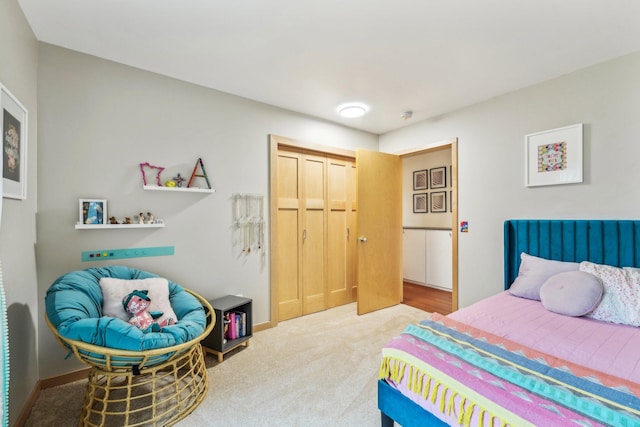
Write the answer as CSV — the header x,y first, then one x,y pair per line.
x,y
611,242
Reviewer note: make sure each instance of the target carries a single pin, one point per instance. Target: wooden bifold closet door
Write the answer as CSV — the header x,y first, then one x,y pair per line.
x,y
316,241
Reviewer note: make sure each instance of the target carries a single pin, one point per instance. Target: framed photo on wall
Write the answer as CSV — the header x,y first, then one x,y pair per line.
x,y
92,211
438,201
438,177
13,122
420,203
554,156
420,180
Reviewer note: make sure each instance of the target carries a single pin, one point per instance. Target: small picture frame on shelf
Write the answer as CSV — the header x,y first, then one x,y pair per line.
x,y
92,211
438,177
420,203
420,180
438,201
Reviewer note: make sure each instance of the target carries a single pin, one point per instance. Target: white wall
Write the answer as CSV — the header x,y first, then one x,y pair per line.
x,y
99,120
605,97
18,72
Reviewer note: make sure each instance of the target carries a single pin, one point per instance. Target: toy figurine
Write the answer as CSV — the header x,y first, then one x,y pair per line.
x,y
140,218
149,219
178,179
136,304
113,220
127,220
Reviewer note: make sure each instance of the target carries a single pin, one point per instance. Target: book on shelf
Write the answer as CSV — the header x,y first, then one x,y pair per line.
x,y
237,324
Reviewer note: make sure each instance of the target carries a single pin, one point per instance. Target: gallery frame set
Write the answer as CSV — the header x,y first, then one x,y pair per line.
x,y
434,178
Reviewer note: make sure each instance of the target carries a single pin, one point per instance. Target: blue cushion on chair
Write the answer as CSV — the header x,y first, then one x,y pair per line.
x,y
74,306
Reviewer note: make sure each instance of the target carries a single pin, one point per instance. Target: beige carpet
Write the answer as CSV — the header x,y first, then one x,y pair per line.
x,y
316,370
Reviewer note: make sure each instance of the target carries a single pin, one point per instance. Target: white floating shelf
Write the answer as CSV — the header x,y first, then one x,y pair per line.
x,y
178,189
105,226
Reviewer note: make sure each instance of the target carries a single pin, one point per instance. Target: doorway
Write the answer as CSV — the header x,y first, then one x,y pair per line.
x,y
277,142
428,224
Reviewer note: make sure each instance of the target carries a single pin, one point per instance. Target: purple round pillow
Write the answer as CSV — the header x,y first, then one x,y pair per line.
x,y
572,293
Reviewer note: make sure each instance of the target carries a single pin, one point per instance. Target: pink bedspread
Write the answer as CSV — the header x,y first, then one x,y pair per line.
x,y
606,347
577,345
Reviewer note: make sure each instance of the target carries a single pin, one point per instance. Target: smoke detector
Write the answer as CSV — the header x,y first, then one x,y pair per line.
x,y
406,115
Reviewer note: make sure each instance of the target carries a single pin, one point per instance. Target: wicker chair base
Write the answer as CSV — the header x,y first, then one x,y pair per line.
x,y
158,396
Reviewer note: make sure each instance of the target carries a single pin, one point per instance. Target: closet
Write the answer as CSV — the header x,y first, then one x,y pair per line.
x,y
316,231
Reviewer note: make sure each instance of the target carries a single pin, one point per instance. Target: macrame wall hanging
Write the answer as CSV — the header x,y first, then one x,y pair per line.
x,y
248,223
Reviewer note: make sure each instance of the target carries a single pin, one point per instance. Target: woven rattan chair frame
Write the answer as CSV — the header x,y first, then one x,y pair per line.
x,y
156,387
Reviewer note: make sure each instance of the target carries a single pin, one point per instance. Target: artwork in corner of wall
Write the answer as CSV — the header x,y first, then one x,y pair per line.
x,y
438,177
438,201
420,180
420,203
13,122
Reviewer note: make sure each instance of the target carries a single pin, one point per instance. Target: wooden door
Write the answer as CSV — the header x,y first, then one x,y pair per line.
x,y
314,283
289,222
352,232
379,188
339,209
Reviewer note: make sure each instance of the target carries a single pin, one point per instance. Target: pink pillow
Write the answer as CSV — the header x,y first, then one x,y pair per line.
x,y
533,272
572,293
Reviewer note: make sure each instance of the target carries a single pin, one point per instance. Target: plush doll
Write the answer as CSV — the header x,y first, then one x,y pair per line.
x,y
136,304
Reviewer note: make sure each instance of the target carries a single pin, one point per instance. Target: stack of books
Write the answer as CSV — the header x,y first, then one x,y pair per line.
x,y
235,325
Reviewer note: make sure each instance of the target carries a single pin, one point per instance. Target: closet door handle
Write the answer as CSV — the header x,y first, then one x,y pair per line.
x,y
304,234
363,239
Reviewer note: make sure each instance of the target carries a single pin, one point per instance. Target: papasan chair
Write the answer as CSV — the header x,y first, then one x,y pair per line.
x,y
136,377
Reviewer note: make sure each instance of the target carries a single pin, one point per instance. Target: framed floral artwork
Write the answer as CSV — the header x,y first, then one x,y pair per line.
x,y
554,156
13,122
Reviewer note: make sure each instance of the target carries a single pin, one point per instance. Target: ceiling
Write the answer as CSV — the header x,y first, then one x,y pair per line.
x,y
309,56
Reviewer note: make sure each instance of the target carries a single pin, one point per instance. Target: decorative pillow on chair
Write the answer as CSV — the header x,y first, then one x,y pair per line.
x,y
533,272
621,297
114,290
572,293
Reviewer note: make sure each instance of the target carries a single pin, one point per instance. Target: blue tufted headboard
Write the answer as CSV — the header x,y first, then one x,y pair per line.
x,y
611,242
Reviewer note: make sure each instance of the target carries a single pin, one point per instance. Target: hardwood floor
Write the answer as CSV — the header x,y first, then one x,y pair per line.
x,y
426,298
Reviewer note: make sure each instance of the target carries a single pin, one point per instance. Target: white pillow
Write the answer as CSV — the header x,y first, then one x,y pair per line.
x,y
114,291
621,300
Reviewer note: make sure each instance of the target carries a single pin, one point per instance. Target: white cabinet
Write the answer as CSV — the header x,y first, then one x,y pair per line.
x,y
439,258
413,250
427,257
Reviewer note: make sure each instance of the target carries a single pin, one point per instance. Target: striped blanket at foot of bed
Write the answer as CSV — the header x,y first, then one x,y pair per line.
x,y
469,377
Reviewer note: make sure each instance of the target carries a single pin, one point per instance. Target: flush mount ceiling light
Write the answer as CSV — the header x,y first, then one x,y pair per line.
x,y
352,110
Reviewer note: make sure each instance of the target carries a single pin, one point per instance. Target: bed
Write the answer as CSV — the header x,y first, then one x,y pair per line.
x,y
515,360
